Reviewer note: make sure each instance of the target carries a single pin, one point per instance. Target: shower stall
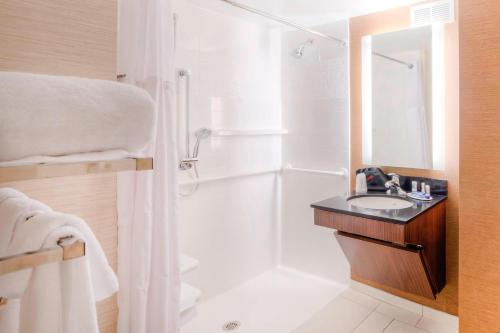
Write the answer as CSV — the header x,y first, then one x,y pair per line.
x,y
264,132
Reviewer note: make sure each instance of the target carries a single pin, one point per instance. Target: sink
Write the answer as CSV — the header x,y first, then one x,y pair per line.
x,y
380,202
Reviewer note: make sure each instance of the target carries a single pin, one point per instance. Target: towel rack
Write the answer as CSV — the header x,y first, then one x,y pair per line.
x,y
39,171
68,248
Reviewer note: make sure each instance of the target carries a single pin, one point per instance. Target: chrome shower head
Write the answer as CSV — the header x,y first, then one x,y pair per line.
x,y
203,133
200,134
299,52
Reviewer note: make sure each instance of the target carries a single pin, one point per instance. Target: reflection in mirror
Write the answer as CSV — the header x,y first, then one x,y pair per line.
x,y
402,122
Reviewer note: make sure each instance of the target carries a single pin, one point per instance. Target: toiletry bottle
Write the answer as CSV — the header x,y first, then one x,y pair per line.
x,y
361,185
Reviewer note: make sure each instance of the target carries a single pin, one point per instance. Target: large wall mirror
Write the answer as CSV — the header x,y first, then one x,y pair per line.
x,y
403,108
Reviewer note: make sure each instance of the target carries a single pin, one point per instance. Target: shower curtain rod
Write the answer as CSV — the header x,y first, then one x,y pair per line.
x,y
407,64
284,21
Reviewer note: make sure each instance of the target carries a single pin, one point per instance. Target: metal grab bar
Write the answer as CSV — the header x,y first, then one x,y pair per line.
x,y
237,175
342,173
251,132
186,75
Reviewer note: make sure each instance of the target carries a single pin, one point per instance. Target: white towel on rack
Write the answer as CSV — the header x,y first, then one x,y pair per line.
x,y
14,207
58,295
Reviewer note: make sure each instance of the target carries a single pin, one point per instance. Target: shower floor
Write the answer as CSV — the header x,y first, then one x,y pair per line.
x,y
287,301
277,301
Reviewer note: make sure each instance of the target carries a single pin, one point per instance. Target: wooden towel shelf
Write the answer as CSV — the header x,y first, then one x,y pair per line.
x,y
39,171
68,248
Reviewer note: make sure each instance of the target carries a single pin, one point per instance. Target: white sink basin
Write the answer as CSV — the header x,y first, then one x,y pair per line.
x,y
378,202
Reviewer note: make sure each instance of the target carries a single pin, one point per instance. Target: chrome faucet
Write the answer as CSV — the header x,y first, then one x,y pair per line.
x,y
394,186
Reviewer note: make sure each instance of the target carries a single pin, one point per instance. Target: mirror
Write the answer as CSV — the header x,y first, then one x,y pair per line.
x,y
402,94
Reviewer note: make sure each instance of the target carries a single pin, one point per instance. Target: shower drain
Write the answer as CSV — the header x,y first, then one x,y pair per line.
x,y
231,325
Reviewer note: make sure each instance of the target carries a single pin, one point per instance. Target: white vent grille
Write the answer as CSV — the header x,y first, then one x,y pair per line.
x,y
434,12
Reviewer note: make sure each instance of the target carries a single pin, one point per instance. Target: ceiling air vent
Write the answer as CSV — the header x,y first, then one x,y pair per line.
x,y
434,12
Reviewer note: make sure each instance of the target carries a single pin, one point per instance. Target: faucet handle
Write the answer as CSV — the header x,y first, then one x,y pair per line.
x,y
394,177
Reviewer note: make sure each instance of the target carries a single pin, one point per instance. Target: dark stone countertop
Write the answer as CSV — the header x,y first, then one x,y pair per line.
x,y
339,204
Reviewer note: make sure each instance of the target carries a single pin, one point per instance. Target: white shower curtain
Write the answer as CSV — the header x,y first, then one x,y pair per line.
x,y
421,114
148,256
400,105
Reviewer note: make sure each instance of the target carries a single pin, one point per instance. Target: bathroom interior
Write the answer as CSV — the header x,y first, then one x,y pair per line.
x,y
249,166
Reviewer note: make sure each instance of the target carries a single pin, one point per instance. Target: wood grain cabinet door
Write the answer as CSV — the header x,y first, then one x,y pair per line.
x,y
400,267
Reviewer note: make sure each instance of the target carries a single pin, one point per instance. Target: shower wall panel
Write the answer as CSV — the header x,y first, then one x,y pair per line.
x,y
231,226
316,113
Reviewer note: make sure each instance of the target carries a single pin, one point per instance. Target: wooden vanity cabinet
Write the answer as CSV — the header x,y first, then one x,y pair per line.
x,y
408,257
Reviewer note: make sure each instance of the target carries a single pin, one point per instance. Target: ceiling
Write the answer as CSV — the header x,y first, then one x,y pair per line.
x,y
310,12
313,7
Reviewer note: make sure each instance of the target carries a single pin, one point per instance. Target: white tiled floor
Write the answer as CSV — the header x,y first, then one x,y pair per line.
x,y
287,301
376,322
357,312
400,314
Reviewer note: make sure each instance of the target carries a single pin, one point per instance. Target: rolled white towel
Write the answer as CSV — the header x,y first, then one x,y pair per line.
x,y
43,115
109,155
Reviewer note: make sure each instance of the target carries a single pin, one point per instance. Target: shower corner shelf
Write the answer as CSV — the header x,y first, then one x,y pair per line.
x,y
41,171
189,297
188,264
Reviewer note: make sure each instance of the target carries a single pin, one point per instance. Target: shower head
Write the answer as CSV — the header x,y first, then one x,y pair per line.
x,y
203,133
184,72
299,51
200,134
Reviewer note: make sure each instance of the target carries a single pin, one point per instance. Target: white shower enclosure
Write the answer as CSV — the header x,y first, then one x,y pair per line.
x,y
274,114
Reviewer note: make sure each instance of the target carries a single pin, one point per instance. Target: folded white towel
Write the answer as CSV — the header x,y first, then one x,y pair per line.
x,y
61,297
55,115
46,228
57,297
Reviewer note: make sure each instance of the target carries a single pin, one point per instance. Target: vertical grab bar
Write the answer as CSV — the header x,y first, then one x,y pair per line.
x,y
186,74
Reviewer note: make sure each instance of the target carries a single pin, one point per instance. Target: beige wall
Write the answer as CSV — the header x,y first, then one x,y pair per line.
x,y
479,166
65,37
398,19
68,37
